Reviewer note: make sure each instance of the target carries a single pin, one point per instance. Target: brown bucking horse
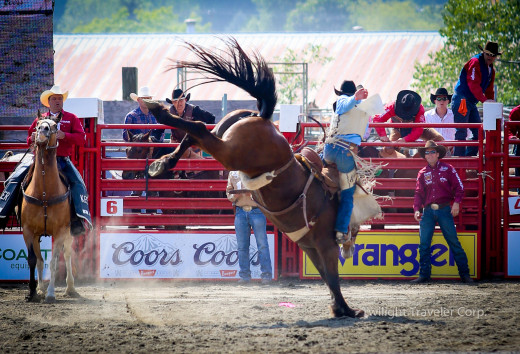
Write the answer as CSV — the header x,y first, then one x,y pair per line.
x,y
284,189
46,212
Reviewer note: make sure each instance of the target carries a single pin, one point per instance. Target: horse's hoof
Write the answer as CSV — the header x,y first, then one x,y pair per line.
x,y
348,312
33,298
72,293
50,300
156,168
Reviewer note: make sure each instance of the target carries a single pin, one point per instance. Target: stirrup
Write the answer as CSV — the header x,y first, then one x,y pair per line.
x,y
343,237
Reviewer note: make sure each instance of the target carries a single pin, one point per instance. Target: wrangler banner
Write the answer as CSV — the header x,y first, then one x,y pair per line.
x,y
396,255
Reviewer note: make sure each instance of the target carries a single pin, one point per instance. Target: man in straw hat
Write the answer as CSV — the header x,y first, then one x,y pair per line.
x,y
407,108
141,115
438,185
476,81
70,133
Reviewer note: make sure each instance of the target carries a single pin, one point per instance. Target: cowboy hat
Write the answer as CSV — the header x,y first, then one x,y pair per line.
x,y
490,48
143,92
407,104
430,144
394,154
176,94
440,92
347,88
55,90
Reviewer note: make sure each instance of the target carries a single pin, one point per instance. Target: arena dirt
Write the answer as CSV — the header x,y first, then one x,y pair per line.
x,y
287,316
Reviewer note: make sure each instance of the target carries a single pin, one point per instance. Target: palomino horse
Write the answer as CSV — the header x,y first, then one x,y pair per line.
x,y
46,212
285,190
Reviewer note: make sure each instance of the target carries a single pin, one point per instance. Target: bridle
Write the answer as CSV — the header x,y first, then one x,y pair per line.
x,y
53,129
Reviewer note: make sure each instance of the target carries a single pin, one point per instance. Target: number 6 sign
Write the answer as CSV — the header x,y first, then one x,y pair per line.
x,y
111,207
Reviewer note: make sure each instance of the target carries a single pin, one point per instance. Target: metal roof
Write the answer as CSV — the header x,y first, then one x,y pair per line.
x,y
91,65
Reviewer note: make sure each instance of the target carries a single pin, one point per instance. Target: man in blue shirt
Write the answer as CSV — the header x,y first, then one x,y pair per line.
x,y
339,147
141,115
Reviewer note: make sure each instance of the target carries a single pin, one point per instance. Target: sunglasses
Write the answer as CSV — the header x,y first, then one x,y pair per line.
x,y
490,55
429,152
441,98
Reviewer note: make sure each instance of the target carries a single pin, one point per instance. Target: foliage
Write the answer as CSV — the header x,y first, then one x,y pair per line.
x,y
271,16
468,24
289,79
319,15
128,16
379,15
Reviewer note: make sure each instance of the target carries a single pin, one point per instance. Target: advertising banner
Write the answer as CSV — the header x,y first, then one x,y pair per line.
x,y
176,255
513,250
13,257
396,255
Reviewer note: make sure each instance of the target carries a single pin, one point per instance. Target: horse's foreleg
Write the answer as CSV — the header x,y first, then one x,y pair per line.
x,y
67,254
56,249
31,260
339,307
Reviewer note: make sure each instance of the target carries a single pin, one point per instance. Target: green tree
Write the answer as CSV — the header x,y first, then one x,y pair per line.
x,y
468,24
271,16
290,80
379,15
319,15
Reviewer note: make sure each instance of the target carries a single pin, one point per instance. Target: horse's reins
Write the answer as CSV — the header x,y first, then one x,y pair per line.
x,y
43,202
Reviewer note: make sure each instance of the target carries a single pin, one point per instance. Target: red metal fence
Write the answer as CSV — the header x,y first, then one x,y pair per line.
x,y
99,158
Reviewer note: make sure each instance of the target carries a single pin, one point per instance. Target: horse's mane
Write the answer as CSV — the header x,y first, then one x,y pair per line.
x,y
252,75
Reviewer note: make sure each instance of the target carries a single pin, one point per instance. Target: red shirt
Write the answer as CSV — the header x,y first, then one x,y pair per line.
x,y
514,116
474,76
440,184
390,114
74,133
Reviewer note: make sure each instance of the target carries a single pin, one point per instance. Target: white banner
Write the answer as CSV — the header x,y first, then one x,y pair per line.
x,y
175,255
13,257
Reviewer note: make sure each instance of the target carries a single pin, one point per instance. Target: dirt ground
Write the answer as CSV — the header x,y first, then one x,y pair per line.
x,y
287,316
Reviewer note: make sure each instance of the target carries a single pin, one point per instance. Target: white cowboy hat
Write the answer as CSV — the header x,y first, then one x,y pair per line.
x,y
143,92
55,90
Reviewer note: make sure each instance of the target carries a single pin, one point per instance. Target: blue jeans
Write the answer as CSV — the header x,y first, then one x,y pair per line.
x,y
472,116
343,159
244,221
445,219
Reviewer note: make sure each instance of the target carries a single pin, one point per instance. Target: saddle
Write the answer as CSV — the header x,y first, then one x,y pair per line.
x,y
328,175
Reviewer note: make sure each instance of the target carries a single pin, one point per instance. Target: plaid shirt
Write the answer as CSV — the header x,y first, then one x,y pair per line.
x,y
138,117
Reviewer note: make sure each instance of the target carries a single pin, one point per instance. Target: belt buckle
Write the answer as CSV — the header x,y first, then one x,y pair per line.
x,y
247,208
434,206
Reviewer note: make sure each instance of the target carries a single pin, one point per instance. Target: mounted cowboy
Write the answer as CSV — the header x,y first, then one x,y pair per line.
x,y
70,133
341,146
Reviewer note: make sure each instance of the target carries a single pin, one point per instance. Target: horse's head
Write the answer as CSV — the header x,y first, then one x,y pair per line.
x,y
46,130
139,152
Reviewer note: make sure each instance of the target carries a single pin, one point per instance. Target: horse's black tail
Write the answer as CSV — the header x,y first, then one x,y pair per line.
x,y
253,76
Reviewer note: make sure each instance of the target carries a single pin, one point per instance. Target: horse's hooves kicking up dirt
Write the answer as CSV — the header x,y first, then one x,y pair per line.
x,y
352,313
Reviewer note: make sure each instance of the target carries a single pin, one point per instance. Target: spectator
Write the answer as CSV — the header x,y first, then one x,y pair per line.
x,y
181,108
438,184
70,133
248,216
343,140
476,81
141,115
407,108
441,113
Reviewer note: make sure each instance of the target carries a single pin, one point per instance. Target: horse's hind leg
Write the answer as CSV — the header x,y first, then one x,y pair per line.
x,y
166,162
67,254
